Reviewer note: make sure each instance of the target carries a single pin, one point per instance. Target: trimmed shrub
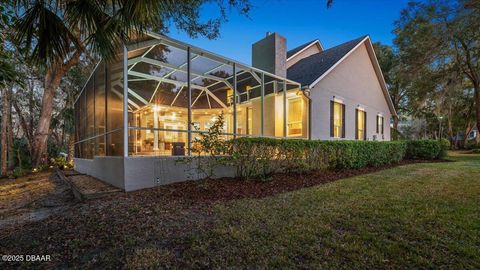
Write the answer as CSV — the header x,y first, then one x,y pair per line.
x,y
427,149
263,157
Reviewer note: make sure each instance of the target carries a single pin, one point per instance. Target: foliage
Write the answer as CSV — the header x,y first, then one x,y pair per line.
x,y
52,30
61,163
263,157
21,154
471,146
427,149
49,38
439,46
393,72
210,149
19,172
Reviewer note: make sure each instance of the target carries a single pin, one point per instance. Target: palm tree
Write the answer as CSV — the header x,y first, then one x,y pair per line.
x,y
58,33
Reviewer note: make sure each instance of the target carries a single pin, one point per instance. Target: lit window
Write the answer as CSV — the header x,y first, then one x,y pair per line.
x,y
337,120
249,121
295,114
361,125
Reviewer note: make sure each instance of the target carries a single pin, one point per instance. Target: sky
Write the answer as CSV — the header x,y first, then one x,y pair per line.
x,y
299,21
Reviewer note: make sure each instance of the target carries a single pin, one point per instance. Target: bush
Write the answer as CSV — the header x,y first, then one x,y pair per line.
x,y
427,149
262,157
210,150
61,163
472,145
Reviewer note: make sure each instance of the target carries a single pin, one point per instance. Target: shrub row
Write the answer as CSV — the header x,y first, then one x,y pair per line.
x,y
262,157
427,149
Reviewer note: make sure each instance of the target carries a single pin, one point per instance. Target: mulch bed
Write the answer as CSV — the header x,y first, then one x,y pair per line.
x,y
89,185
226,189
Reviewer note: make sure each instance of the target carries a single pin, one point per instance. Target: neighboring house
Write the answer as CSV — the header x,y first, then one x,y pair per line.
x,y
472,136
137,115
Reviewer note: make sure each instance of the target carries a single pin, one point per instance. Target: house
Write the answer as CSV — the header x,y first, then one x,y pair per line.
x,y
139,114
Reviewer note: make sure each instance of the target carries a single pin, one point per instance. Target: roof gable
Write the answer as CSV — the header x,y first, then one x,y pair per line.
x,y
291,53
309,69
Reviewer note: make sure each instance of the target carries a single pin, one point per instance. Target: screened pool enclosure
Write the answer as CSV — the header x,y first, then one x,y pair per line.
x,y
159,94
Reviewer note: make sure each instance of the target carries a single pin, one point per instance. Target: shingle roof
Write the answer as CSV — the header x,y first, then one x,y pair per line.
x,y
299,48
310,68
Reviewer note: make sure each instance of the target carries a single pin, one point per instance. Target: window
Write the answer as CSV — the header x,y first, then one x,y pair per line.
x,y
361,124
337,119
295,115
380,124
249,121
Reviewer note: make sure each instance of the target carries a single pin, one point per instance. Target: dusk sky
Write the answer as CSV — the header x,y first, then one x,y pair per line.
x,y
300,21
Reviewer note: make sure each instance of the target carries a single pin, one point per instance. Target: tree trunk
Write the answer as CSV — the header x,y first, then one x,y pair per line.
x,y
3,139
395,123
476,87
52,81
71,147
26,128
11,161
468,129
53,78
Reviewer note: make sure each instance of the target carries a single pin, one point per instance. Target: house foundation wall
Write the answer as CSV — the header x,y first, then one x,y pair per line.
x,y
107,169
134,173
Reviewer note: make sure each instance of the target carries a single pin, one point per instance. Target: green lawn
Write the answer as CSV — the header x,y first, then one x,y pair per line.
x,y
416,216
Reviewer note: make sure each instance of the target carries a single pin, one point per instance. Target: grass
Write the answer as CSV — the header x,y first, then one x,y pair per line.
x,y
416,216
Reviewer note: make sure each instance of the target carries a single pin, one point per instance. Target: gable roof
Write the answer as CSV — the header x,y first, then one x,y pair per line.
x,y
302,47
309,69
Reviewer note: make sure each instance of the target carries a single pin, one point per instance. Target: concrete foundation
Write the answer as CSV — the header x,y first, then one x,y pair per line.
x,y
134,173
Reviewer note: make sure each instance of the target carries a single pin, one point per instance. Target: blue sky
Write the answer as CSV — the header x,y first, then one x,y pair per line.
x,y
300,21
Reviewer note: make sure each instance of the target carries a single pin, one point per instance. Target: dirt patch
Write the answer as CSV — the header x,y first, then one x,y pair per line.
x,y
32,198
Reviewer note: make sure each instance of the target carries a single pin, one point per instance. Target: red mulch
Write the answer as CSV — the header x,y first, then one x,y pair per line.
x,y
226,189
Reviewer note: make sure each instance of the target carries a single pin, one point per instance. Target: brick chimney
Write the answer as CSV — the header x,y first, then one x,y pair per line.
x,y
270,54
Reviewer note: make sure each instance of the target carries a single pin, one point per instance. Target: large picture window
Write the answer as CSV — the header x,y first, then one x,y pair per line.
x,y
337,119
361,124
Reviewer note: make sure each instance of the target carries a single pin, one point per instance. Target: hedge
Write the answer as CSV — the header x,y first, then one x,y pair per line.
x,y
427,149
262,157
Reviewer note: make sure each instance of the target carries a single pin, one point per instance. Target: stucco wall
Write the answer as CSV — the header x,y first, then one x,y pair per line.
x,y
355,82
309,51
107,169
133,173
